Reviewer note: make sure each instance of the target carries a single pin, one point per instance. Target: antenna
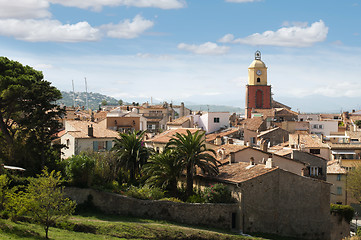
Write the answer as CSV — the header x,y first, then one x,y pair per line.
x,y
73,94
86,95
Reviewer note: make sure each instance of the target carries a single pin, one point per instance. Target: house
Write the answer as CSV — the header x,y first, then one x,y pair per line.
x,y
276,201
229,135
84,136
257,156
123,121
336,175
182,122
309,143
159,141
211,121
251,128
273,136
295,126
275,114
324,127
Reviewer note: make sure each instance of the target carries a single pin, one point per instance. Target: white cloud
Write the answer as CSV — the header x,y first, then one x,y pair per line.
x,y
207,48
98,4
127,29
48,30
295,36
24,9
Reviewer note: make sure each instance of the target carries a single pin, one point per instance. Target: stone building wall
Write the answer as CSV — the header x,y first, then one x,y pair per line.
x,y
212,215
340,229
286,204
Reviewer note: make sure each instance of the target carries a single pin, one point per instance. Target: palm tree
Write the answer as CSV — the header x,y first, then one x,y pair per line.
x,y
192,150
131,152
163,170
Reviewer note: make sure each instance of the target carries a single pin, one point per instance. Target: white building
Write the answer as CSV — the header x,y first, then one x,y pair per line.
x,y
83,136
212,121
324,128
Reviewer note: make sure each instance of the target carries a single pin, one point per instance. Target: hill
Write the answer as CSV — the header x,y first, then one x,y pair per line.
x,y
95,100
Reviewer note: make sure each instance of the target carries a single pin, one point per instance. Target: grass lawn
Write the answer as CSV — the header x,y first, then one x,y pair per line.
x,y
100,226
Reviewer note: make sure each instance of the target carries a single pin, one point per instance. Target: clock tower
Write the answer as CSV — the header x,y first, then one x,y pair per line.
x,y
258,93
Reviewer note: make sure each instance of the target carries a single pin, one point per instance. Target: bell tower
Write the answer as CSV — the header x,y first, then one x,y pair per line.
x,y
258,93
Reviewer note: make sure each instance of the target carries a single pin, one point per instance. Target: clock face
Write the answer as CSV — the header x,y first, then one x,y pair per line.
x,y
259,72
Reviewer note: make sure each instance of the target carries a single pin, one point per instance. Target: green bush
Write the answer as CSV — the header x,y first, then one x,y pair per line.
x,y
145,192
218,193
345,211
80,170
196,198
171,199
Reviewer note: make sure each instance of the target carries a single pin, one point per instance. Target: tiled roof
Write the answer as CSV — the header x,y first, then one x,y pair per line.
x,y
283,152
353,134
99,130
167,135
280,146
179,121
213,136
265,112
240,172
99,116
334,167
308,140
252,124
268,131
329,116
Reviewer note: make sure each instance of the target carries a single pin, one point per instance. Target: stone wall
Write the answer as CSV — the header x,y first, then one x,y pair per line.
x,y
286,204
212,215
340,229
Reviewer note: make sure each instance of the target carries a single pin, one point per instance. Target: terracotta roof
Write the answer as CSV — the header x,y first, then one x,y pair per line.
x,y
227,149
268,131
265,112
99,130
213,136
179,121
240,172
283,152
252,124
280,146
334,167
167,135
99,116
329,116
353,134
308,140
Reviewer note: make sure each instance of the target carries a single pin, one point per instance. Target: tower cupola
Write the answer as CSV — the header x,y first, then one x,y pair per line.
x,y
257,71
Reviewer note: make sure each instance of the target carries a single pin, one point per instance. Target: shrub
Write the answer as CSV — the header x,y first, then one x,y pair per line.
x,y
344,211
218,193
171,199
80,170
196,198
145,192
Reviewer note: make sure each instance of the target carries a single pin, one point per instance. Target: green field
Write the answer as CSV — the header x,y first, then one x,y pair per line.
x,y
99,226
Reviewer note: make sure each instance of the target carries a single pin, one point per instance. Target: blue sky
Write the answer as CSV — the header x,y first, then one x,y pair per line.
x,y
195,51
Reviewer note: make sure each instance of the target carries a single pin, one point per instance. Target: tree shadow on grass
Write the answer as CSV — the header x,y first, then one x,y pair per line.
x,y
19,231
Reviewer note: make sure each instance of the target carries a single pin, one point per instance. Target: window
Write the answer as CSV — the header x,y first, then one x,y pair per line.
x,y
339,191
67,142
320,126
99,146
315,151
258,80
315,126
314,171
338,177
216,119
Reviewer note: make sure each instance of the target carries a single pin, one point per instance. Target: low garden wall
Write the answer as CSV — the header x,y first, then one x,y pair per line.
x,y
206,214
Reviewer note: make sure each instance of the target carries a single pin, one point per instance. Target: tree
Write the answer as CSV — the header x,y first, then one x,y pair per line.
x,y
163,170
104,103
120,102
192,151
131,152
45,202
28,116
354,183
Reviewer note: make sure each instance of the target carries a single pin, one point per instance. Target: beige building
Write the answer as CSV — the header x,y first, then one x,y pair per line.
x,y
336,175
84,136
310,143
159,141
272,200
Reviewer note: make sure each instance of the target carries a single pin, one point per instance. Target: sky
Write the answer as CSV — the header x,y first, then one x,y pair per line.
x,y
192,51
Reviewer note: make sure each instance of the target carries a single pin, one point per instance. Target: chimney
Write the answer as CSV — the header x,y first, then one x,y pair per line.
x,y
90,130
269,163
230,141
181,111
264,145
251,161
218,141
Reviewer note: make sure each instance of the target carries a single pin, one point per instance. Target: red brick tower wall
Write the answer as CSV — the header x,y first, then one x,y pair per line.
x,y
257,97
